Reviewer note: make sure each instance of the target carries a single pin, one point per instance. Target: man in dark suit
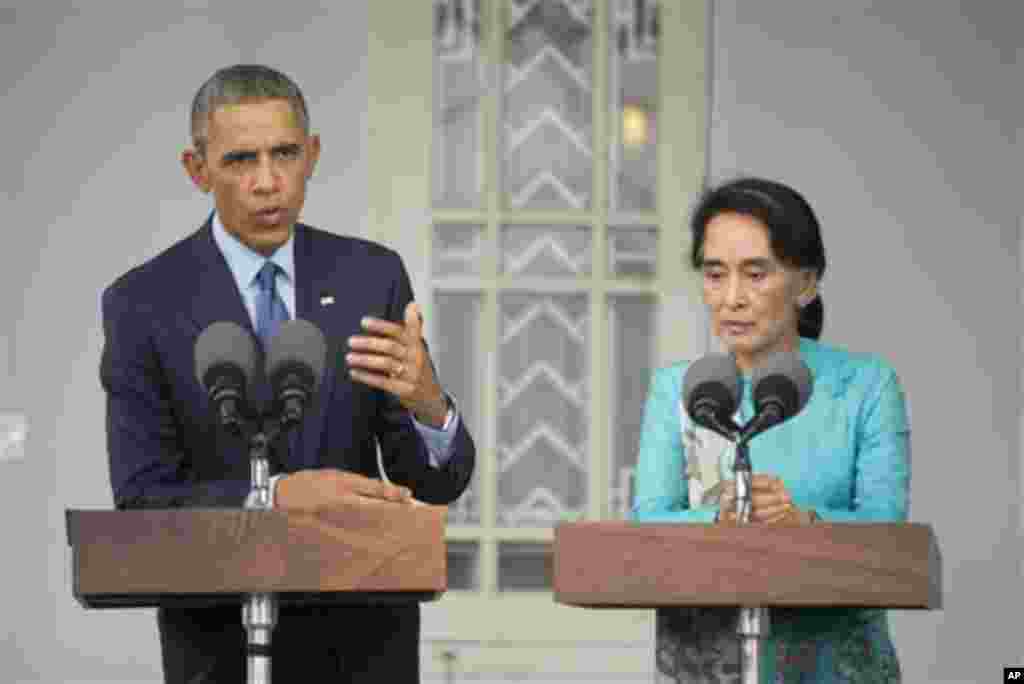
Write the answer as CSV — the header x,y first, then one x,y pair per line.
x,y
253,151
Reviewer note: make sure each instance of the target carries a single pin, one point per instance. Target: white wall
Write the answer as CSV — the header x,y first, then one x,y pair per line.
x,y
896,119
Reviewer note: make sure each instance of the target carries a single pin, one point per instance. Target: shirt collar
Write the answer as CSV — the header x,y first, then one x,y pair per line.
x,y
807,349
810,352
245,262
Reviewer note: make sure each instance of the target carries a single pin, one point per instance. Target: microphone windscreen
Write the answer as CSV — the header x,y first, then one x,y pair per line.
x,y
225,342
717,369
297,342
784,369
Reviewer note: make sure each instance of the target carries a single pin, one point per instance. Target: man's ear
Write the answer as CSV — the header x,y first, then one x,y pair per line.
x,y
196,168
313,154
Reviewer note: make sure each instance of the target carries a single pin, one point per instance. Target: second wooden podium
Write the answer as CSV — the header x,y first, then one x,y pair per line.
x,y
698,575
606,564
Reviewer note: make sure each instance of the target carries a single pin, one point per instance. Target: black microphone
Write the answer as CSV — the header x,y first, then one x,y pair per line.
x,y
781,388
225,361
295,363
711,391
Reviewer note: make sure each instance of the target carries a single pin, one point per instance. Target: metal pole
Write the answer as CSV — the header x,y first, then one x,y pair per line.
x,y
259,612
259,615
754,622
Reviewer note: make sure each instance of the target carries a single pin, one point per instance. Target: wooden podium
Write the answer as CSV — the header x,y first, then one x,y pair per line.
x,y
356,552
693,571
649,565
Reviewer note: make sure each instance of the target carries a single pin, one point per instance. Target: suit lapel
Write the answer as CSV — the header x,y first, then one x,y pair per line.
x,y
215,295
317,278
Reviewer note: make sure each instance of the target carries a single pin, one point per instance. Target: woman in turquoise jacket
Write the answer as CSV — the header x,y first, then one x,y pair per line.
x,y
844,458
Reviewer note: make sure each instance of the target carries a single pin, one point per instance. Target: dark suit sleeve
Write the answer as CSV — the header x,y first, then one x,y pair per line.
x,y
404,454
148,443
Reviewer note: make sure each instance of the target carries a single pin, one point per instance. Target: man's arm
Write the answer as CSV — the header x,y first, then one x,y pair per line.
x,y
404,453
403,408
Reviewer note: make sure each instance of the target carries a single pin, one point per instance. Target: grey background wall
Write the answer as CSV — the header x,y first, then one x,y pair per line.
x,y
898,120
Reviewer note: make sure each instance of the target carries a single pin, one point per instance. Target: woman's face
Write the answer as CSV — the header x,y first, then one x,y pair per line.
x,y
752,297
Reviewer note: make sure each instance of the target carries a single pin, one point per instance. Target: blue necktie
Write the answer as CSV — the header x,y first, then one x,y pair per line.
x,y
270,309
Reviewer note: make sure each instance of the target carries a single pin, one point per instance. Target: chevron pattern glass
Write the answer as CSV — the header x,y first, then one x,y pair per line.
x,y
545,250
543,407
546,127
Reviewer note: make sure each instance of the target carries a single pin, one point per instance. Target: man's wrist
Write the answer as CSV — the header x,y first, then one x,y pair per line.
x,y
438,415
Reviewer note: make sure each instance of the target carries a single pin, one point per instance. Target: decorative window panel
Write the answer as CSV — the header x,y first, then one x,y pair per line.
x,y
633,91
547,102
545,250
542,408
458,92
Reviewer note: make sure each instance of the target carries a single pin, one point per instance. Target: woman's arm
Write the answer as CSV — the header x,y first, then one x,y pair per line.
x,y
882,461
661,482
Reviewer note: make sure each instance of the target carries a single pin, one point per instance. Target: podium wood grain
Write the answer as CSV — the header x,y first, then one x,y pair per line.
x,y
648,565
366,547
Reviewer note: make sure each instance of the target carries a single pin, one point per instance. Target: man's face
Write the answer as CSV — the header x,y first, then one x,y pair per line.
x,y
751,296
257,162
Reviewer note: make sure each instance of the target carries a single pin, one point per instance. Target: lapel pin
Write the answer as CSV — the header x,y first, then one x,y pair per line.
x,y
326,299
